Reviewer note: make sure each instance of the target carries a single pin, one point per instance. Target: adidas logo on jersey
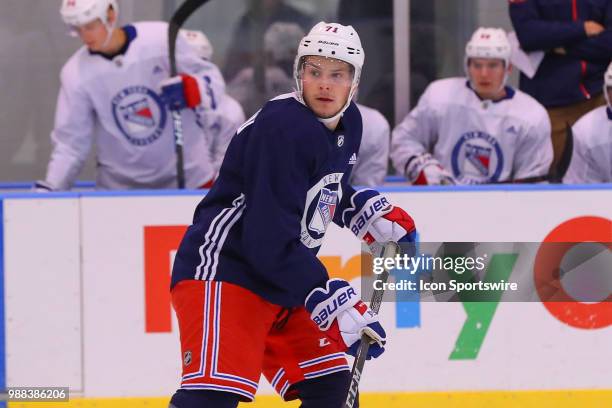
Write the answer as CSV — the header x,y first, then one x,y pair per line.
x,y
353,159
512,129
157,70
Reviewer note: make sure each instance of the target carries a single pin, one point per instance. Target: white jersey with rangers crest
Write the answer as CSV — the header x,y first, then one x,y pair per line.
x,y
478,141
116,103
592,155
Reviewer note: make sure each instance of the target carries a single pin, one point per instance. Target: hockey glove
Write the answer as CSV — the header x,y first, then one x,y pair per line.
x,y
339,312
424,169
373,219
180,92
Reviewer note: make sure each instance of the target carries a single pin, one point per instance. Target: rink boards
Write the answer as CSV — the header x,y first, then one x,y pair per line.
x,y
86,303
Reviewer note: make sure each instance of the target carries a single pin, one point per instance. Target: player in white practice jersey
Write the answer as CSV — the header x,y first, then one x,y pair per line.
x,y
592,154
110,94
373,157
220,124
477,129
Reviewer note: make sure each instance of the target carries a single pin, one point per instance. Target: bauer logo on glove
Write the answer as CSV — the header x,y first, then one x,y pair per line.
x,y
338,311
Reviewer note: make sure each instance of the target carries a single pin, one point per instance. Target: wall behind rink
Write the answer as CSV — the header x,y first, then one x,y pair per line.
x,y
86,301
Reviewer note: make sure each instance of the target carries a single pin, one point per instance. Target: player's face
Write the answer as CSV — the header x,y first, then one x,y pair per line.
x,y
92,34
326,84
487,77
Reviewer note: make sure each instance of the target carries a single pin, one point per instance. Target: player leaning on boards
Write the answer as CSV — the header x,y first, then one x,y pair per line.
x,y
592,155
247,287
109,94
477,129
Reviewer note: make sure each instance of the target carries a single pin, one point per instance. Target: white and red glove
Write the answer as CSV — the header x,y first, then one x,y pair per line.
x,y
339,312
180,92
374,220
424,169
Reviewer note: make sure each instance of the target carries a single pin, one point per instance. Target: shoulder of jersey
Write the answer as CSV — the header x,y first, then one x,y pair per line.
x,y
285,110
151,31
231,108
71,69
526,107
442,90
591,126
371,115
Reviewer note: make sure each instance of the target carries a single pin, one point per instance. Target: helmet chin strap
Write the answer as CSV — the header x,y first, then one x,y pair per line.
x,y
109,28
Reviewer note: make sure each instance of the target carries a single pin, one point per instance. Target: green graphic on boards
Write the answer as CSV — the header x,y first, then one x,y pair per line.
x,y
480,313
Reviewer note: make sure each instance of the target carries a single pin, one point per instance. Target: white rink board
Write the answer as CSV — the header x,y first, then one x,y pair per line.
x,y
525,348
118,352
42,293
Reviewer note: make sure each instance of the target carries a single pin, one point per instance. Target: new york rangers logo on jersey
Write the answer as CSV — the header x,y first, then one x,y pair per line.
x,y
139,114
325,211
477,158
321,201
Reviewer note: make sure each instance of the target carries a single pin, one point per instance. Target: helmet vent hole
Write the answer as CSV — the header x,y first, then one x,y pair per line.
x,y
320,50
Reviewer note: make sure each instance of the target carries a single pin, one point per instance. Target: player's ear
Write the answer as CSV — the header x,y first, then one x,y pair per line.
x,y
509,68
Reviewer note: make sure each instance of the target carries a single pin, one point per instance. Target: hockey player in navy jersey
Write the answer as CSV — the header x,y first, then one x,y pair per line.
x,y
115,92
250,295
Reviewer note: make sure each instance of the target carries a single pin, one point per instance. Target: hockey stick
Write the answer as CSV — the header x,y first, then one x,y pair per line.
x,y
180,16
390,250
555,175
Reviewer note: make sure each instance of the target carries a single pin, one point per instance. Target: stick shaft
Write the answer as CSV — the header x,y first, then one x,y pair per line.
x,y
174,26
390,250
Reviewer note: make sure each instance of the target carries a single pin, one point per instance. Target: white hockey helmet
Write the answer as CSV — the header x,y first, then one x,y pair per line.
x,y
608,84
331,40
79,12
200,43
490,43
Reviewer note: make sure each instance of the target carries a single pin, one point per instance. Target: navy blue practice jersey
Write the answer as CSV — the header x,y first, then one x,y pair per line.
x,y
282,182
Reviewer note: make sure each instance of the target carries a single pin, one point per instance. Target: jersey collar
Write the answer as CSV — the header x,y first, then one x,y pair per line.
x,y
509,93
130,34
